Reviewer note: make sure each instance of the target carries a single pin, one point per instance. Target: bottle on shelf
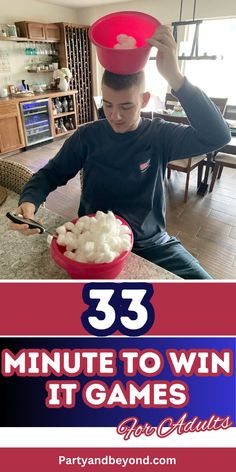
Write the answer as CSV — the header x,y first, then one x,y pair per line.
x,y
62,126
71,105
67,124
71,123
65,105
56,124
58,105
54,110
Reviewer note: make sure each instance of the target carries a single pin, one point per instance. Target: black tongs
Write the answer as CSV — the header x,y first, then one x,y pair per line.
x,y
32,223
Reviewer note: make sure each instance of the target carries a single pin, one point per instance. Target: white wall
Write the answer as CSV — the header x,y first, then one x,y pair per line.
x,y
166,11
18,10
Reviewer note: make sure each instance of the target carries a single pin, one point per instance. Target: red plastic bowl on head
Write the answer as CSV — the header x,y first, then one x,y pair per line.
x,y
84,270
103,34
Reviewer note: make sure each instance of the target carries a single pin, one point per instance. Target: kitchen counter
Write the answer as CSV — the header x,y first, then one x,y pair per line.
x,y
37,96
29,257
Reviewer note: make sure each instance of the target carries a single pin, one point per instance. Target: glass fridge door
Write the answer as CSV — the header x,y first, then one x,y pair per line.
x,y
36,120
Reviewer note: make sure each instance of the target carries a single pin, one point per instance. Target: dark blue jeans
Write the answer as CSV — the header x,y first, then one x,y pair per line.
x,y
174,257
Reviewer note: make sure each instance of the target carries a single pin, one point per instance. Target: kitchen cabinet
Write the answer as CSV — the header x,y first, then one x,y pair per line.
x,y
68,118
12,136
38,31
52,32
75,53
11,130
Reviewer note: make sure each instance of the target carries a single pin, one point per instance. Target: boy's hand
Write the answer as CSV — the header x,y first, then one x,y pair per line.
x,y
27,211
166,60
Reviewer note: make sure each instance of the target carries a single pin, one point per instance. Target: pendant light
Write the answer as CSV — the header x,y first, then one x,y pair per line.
x,y
194,49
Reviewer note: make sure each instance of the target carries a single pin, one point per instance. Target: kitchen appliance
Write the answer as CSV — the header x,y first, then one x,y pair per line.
x,y
36,121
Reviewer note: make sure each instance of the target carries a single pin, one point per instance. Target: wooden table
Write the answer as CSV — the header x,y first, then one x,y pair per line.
x,y
230,148
24,257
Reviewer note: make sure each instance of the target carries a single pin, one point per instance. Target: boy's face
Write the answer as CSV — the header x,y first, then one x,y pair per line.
x,y
122,107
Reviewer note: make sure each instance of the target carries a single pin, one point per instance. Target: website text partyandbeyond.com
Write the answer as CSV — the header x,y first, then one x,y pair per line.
x,y
109,460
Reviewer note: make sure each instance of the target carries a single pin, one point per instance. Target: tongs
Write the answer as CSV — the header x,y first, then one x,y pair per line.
x,y
18,219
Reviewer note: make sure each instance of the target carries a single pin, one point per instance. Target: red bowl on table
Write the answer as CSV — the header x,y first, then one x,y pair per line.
x,y
84,270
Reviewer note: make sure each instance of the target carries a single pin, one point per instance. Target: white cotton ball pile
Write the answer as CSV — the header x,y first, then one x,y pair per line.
x,y
125,42
94,239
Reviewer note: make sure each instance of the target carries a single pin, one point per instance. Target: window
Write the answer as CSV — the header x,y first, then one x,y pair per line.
x,y
155,83
215,77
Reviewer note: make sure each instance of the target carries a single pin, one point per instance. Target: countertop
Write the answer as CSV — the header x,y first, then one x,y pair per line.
x,y
37,96
29,258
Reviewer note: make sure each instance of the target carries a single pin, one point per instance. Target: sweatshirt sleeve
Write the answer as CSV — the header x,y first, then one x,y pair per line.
x,y
207,131
63,167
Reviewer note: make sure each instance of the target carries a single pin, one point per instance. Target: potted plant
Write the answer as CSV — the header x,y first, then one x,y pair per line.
x,y
62,78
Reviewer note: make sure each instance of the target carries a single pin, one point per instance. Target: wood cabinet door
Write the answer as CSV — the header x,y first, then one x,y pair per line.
x,y
52,32
11,130
36,30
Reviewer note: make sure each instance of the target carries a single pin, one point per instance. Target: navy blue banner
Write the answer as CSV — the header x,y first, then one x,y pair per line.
x,y
208,390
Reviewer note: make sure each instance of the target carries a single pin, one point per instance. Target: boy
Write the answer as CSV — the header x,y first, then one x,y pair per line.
x,y
124,159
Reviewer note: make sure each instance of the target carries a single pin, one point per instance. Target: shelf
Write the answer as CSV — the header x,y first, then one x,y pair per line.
x,y
63,134
60,115
39,71
197,58
18,39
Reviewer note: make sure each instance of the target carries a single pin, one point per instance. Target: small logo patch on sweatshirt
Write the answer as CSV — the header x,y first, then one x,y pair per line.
x,y
144,166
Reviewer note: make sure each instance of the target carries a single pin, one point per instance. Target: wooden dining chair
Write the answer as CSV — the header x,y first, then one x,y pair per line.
x,y
186,166
220,103
221,160
13,175
97,100
170,101
230,112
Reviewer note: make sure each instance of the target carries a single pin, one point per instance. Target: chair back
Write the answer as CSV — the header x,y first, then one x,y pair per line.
x,y
220,103
170,101
14,175
97,100
230,112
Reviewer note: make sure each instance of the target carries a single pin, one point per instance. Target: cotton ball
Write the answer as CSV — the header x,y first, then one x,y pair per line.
x,y
61,229
122,38
69,226
99,257
125,245
49,239
80,257
90,257
124,230
125,42
110,216
84,221
114,241
73,245
69,238
89,246
109,256
105,228
100,215
69,254
79,226
131,41
61,240
93,225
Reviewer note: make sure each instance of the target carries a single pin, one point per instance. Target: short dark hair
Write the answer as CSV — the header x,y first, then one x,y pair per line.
x,y
123,82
